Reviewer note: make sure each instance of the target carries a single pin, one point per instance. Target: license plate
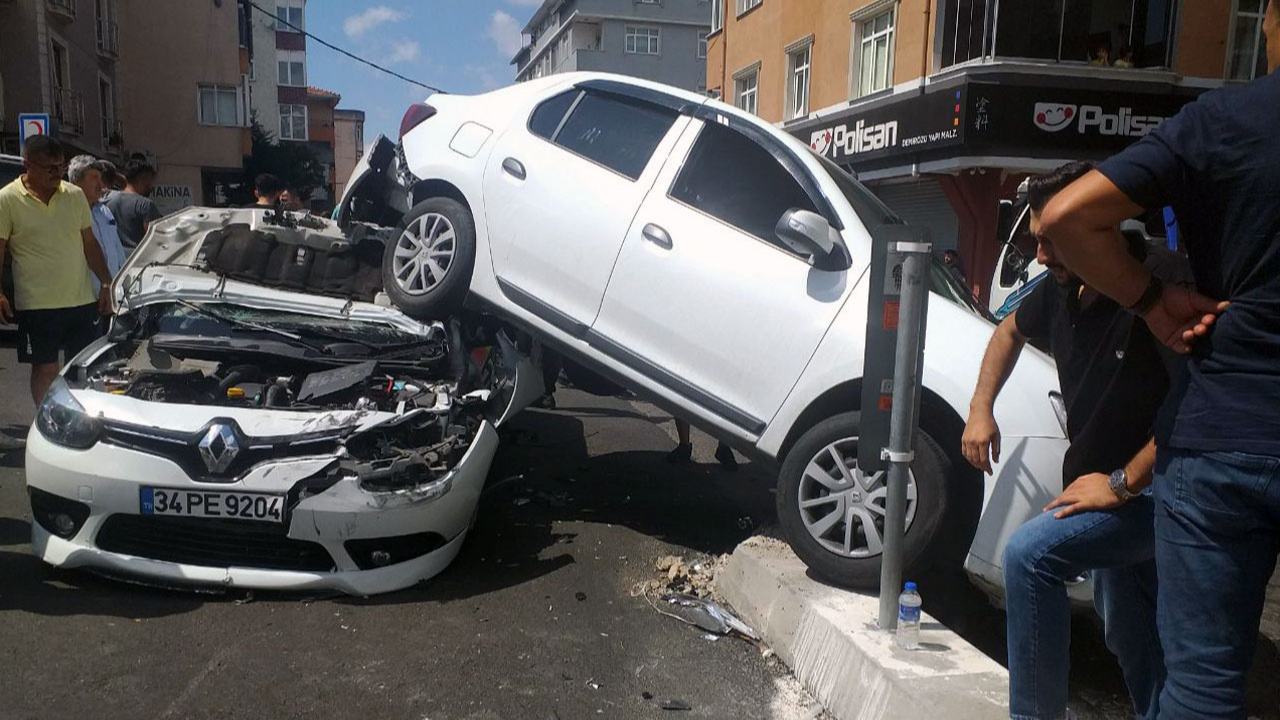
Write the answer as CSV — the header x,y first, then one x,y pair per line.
x,y
212,504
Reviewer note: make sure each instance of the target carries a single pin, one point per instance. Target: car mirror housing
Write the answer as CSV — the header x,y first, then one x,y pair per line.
x,y
809,235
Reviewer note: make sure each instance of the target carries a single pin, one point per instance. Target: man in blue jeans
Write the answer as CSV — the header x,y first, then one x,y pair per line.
x,y
1113,376
1217,486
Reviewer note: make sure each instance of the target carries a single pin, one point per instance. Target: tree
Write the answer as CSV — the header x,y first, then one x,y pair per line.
x,y
295,163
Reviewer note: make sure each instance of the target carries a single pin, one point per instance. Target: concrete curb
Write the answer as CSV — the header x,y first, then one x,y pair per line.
x,y
828,637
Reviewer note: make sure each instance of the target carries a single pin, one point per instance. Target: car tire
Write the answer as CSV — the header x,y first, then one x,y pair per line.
x,y
802,526
427,265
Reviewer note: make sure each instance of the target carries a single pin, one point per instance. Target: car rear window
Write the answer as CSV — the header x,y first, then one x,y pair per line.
x,y
546,118
616,132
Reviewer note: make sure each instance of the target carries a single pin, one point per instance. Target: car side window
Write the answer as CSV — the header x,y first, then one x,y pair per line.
x,y
547,116
616,132
730,177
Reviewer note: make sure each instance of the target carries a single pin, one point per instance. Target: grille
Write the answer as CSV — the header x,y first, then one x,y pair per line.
x,y
211,543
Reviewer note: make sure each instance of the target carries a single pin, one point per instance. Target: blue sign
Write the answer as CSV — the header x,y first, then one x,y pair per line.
x,y
32,124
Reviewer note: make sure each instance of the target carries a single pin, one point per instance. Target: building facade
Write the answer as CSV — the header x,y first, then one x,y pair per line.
x,y
320,136
944,106
61,57
278,71
659,40
348,147
186,112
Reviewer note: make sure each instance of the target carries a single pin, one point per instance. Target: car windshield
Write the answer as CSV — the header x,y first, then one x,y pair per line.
x,y
870,209
944,283
202,320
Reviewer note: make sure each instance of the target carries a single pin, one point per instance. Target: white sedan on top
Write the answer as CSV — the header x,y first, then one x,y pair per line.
x,y
712,263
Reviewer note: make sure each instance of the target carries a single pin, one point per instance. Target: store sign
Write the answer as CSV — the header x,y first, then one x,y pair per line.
x,y
921,122
171,198
1004,118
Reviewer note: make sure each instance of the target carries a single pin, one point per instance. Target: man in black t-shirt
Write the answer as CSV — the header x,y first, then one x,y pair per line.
x,y
1113,377
1217,162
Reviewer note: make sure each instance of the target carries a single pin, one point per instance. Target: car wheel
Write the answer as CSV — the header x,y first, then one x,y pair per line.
x,y
832,513
426,268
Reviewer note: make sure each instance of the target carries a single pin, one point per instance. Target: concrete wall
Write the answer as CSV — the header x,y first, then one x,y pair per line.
x,y
21,66
160,99
262,89
348,125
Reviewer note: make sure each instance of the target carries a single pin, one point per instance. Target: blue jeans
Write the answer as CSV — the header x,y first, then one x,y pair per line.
x,y
1217,535
1118,545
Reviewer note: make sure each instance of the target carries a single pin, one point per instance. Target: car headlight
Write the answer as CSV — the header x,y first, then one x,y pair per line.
x,y
63,420
1059,410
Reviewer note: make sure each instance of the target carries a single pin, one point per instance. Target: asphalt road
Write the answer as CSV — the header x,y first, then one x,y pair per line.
x,y
537,617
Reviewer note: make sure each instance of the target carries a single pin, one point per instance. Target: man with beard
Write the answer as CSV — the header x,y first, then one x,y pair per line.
x,y
1114,376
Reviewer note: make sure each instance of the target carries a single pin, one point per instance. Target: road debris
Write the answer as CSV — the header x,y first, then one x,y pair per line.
x,y
710,616
676,705
676,574
580,596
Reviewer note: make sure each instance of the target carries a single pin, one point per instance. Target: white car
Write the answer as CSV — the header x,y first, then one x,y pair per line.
x,y
260,417
712,263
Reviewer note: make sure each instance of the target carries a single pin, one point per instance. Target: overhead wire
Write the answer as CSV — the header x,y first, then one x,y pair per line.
x,y
335,48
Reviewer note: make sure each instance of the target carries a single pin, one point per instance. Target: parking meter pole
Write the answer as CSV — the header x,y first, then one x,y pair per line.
x,y
902,423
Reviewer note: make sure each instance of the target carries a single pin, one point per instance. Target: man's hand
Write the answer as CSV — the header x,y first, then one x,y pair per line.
x,y
104,300
6,310
981,441
1088,492
1181,316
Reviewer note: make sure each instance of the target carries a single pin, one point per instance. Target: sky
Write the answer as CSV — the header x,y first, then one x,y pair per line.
x,y
460,46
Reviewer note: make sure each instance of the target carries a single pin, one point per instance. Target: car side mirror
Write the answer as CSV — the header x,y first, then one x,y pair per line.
x,y
1004,221
808,234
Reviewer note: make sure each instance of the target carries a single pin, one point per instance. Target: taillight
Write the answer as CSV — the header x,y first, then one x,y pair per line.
x,y
417,114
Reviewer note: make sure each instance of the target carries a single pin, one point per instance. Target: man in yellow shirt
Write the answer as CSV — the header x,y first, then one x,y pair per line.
x,y
46,224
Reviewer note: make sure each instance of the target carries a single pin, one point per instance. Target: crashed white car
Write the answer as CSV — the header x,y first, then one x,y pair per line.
x,y
714,264
260,417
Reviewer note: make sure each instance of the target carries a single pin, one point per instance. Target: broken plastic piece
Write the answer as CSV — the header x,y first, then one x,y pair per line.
x,y
705,614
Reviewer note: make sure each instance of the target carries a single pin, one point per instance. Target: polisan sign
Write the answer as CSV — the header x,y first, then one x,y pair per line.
x,y
1056,117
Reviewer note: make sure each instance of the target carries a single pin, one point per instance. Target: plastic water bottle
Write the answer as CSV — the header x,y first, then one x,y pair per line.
x,y
909,602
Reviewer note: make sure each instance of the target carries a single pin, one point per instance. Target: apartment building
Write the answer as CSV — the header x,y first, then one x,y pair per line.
x,y
278,71
61,57
348,146
660,40
944,106
321,134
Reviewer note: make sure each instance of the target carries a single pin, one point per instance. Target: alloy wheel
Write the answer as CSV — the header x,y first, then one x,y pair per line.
x,y
423,254
843,507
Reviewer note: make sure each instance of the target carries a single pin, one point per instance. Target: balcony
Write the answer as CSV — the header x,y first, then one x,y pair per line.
x,y
112,135
62,10
108,39
68,108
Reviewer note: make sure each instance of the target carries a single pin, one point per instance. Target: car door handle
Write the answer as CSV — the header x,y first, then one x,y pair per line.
x,y
657,236
514,168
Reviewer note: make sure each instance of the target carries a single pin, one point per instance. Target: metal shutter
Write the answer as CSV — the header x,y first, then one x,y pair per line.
x,y
922,202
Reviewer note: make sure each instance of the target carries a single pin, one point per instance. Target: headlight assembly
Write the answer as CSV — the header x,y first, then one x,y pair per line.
x,y
63,420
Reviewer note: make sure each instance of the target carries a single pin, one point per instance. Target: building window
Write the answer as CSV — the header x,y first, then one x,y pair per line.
x,y
745,5
746,86
359,130
702,43
220,105
717,15
291,69
642,40
293,122
244,24
873,52
798,81
287,16
1248,56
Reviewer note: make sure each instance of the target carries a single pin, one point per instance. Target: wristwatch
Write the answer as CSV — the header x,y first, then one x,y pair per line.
x,y
1119,483
1149,297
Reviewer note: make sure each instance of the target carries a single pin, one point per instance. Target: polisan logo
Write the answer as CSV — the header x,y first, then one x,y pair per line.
x,y
1053,117
861,138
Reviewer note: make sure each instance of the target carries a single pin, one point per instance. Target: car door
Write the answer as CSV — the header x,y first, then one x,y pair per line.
x,y
561,191
705,298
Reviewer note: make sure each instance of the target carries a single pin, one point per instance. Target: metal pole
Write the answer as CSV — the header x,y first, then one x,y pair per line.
x,y
902,424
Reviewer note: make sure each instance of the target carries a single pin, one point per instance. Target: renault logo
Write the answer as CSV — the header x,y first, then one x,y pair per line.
x,y
219,447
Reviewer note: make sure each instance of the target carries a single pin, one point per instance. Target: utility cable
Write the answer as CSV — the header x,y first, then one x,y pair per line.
x,y
331,46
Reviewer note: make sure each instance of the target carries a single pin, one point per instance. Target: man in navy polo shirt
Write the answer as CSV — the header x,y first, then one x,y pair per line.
x,y
1217,481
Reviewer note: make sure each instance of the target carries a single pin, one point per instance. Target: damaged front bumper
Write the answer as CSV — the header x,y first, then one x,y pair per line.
x,y
343,537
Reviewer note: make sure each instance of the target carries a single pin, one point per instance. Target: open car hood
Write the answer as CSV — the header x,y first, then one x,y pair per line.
x,y
247,256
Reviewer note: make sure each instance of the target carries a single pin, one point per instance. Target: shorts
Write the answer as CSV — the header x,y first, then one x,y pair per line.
x,y
42,334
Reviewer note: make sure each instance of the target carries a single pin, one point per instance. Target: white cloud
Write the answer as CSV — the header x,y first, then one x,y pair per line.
x,y
356,25
504,31
525,3
402,51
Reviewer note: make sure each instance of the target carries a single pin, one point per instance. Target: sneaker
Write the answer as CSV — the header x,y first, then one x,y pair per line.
x,y
9,442
681,455
724,456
